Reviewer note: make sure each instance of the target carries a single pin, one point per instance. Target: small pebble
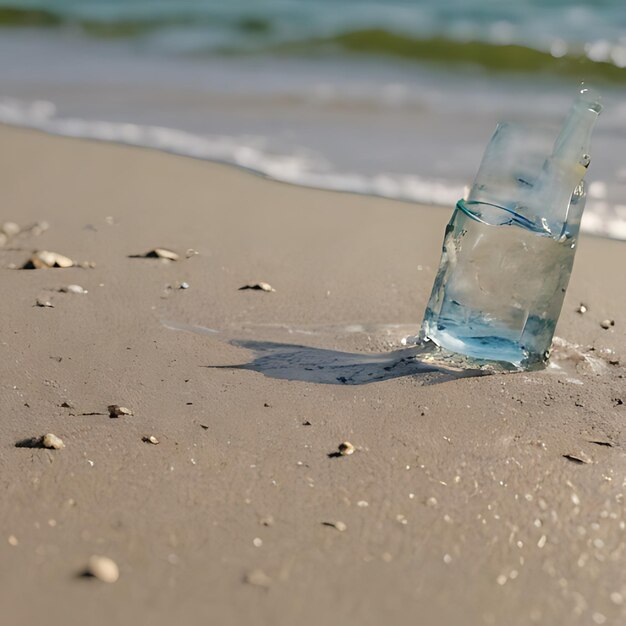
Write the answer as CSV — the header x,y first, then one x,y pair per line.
x,y
12,540
257,542
183,286
115,410
10,229
338,525
151,439
346,448
44,259
267,520
191,252
103,568
73,289
162,253
582,308
258,578
52,441
606,324
44,302
262,286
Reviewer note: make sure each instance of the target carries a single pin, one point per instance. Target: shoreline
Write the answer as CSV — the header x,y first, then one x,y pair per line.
x,y
490,490
603,216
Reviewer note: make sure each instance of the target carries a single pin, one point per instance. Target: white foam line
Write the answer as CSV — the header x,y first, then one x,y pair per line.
x,y
246,153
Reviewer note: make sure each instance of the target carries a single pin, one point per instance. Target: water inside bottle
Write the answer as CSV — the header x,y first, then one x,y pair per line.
x,y
500,286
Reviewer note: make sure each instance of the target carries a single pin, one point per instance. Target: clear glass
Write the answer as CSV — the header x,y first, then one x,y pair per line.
x,y
500,287
508,255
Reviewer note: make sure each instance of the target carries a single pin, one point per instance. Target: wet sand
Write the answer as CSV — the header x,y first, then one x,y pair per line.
x,y
459,505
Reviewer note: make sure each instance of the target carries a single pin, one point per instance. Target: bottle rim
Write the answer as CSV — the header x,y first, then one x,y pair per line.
x,y
468,207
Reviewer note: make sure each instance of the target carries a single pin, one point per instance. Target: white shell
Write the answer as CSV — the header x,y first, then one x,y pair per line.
x,y
103,568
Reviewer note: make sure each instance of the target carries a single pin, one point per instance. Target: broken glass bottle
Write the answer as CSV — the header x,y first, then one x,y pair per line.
x,y
509,247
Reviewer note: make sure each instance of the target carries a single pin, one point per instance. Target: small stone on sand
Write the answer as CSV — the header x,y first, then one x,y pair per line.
x,y
103,568
44,302
73,289
161,253
10,229
191,252
12,540
257,542
346,448
52,441
262,286
338,525
183,286
258,578
606,324
582,308
115,410
151,439
267,520
44,259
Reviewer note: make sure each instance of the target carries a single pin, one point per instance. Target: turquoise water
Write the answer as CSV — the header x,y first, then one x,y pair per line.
x,y
393,98
549,35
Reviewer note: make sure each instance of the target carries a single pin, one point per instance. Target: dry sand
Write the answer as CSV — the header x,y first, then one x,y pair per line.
x,y
459,505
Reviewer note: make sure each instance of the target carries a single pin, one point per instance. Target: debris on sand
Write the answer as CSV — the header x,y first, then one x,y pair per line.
x,y
338,525
191,252
103,568
43,259
258,578
115,410
159,253
343,449
151,439
183,285
73,289
582,308
52,442
262,286
606,324
346,448
44,302
580,458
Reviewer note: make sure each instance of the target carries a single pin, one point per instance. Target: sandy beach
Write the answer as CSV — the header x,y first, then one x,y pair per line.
x,y
479,500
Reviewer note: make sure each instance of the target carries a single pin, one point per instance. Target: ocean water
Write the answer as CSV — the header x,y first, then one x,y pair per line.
x,y
396,98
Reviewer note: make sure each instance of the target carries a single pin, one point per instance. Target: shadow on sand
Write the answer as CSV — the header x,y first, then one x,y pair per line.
x,y
330,367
